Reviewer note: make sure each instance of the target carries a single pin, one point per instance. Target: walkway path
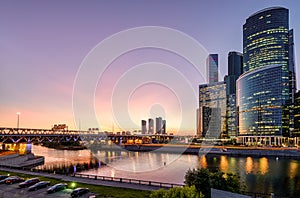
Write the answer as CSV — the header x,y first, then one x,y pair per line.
x,y
85,180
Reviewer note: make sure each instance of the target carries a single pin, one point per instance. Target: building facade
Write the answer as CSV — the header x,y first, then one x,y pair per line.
x,y
212,110
144,127
158,125
163,128
235,69
260,103
212,68
266,39
150,126
296,132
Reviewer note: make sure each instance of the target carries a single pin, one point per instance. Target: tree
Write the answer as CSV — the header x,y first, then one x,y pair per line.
x,y
178,192
203,180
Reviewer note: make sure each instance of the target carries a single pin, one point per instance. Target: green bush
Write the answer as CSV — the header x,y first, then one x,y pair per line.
x,y
185,192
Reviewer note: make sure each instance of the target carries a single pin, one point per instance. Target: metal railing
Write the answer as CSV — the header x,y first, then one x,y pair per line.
x,y
128,180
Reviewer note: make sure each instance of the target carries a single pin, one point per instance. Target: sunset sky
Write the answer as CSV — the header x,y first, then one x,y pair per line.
x,y
43,44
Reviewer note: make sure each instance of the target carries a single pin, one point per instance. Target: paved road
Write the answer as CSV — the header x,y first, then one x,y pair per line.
x,y
85,180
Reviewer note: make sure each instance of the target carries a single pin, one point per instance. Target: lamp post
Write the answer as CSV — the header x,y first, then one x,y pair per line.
x,y
18,121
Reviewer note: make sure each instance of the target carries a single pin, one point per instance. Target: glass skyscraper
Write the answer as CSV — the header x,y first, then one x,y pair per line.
x,y
212,110
266,39
296,132
235,69
260,102
264,98
212,68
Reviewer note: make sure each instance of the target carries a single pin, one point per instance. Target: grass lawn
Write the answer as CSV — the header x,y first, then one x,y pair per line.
x,y
101,191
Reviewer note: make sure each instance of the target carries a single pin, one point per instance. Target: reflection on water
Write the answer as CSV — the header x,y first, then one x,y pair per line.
x,y
224,164
249,164
293,169
264,175
202,161
263,165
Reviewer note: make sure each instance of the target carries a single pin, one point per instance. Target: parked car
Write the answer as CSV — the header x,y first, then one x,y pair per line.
x,y
39,185
3,177
79,191
57,187
29,182
12,180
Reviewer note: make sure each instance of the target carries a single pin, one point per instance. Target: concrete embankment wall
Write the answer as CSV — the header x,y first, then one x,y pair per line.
x,y
289,153
16,160
265,152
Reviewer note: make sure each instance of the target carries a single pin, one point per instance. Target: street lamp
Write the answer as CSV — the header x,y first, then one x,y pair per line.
x,y
18,122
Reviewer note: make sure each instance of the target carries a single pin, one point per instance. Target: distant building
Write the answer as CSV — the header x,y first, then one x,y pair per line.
x,y
144,127
198,123
235,69
150,126
163,128
212,110
60,127
158,125
212,68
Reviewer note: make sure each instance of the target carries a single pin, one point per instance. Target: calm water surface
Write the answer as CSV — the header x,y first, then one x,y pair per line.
x,y
264,175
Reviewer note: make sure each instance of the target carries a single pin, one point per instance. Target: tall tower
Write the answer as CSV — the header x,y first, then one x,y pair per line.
x,y
212,68
235,69
144,126
264,98
266,39
163,128
158,125
150,126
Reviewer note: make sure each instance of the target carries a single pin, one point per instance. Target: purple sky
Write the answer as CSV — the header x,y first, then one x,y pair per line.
x,y
42,44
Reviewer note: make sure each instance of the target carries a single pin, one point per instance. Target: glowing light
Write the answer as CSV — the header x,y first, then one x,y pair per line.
x,y
73,185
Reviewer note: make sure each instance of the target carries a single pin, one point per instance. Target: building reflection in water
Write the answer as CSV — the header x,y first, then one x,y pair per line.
x,y
202,161
263,165
224,164
293,169
112,173
249,164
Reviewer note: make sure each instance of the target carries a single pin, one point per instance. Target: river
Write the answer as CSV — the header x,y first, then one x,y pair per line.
x,y
263,175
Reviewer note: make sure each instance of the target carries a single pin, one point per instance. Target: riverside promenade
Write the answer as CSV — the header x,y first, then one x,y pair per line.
x,y
99,180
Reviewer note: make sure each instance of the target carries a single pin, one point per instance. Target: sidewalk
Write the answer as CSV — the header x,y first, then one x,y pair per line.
x,y
85,180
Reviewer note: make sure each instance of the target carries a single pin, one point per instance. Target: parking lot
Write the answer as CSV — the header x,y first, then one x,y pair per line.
x,y
13,191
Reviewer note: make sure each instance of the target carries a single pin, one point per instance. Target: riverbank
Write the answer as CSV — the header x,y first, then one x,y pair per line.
x,y
14,159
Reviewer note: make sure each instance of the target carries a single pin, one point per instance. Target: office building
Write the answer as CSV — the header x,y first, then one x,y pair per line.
x,y
212,110
163,128
235,69
264,98
212,68
144,127
150,126
266,39
158,123
296,132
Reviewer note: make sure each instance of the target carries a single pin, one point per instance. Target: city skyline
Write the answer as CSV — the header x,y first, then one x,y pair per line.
x,y
41,52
